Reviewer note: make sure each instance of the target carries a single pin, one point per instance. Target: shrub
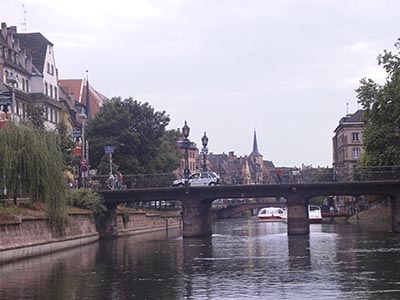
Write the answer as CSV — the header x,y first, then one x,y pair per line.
x,y
86,199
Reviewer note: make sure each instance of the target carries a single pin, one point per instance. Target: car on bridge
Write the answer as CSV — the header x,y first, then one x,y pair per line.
x,y
199,179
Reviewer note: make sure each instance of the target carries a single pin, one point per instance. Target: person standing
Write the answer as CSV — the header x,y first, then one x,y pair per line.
x,y
279,175
119,180
111,181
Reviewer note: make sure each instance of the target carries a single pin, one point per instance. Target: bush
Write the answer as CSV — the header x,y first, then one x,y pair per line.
x,y
86,199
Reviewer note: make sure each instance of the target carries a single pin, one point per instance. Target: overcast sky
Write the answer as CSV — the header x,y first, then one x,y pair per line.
x,y
286,68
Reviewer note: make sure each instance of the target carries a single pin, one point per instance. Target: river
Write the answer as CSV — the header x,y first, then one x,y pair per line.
x,y
244,259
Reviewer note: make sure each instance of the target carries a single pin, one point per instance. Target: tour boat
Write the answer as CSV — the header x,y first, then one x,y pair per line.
x,y
271,214
314,215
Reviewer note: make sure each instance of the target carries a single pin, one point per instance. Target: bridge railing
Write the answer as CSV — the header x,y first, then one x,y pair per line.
x,y
101,182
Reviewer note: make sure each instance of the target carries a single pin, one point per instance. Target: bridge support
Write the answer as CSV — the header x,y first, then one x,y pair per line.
x,y
197,216
107,222
396,214
297,217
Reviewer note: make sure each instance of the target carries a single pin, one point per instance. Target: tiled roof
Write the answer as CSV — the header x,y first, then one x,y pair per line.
x,y
76,88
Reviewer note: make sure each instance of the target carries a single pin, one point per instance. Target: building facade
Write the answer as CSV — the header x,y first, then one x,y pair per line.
x,y
348,145
251,169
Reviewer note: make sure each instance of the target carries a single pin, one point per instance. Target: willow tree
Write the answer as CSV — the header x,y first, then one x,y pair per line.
x,y
32,165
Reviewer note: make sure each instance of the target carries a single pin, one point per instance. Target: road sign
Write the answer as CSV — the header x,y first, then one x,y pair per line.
x,y
5,94
76,133
4,102
109,149
84,168
83,161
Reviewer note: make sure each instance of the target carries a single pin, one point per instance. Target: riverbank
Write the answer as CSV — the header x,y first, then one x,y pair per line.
x,y
26,231
377,215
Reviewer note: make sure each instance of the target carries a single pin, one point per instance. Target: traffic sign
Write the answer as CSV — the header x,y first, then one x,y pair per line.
x,y
76,133
84,168
4,102
109,149
83,161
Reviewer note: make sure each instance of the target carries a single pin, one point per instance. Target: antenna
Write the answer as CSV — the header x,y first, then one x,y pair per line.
x,y
25,23
347,108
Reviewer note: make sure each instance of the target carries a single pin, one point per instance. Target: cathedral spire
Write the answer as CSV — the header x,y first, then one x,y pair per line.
x,y
255,151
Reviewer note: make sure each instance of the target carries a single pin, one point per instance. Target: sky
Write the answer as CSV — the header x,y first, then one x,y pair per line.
x,y
287,69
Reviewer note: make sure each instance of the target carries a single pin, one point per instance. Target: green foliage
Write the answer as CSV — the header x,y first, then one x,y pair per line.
x,y
138,133
35,115
382,112
66,145
32,165
86,199
323,175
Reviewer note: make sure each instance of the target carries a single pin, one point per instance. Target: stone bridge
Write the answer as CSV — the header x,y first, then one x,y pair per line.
x,y
196,201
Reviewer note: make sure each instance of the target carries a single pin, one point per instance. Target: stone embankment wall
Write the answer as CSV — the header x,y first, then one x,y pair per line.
x,y
34,236
136,223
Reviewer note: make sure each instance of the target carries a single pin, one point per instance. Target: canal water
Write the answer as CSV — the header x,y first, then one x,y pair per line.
x,y
244,259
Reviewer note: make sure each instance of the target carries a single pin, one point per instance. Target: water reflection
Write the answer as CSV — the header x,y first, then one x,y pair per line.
x,y
244,259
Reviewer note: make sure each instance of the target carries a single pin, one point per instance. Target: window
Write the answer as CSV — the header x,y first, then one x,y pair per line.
x,y
55,93
51,91
46,88
48,67
356,153
356,136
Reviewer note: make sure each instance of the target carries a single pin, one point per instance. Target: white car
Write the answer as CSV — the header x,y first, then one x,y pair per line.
x,y
199,179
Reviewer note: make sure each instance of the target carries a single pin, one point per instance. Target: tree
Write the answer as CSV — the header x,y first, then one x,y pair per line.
x,y
32,165
139,137
35,114
382,112
66,145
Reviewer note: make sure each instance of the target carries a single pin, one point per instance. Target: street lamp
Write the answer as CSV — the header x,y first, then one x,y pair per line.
x,y
186,144
11,80
204,141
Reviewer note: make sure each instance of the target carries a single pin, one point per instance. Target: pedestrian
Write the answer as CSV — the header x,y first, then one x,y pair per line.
x,y
111,181
279,175
119,180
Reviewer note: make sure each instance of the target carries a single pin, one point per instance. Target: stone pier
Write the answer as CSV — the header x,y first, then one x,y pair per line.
x,y
297,216
197,216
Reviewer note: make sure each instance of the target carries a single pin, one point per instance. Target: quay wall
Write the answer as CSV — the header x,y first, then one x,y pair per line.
x,y
139,222
33,236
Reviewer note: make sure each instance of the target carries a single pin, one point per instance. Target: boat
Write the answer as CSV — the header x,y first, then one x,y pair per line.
x,y
314,215
271,214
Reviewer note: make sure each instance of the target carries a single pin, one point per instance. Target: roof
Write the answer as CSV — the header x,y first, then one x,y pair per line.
x,y
255,152
36,44
352,119
76,88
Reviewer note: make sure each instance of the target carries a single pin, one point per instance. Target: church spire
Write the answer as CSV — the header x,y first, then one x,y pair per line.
x,y
255,151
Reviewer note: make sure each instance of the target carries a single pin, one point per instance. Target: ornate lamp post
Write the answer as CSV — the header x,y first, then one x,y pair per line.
x,y
186,144
204,141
